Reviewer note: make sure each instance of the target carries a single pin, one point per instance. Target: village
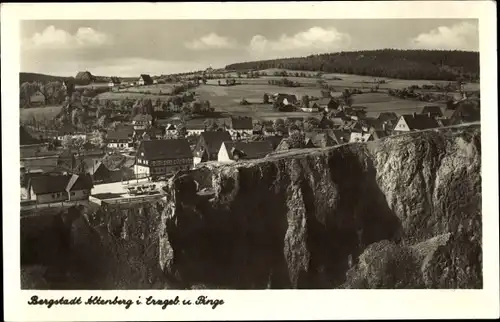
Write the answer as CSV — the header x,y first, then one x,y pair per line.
x,y
116,152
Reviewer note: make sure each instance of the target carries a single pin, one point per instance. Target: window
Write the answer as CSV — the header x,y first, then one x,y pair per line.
x,y
73,193
53,196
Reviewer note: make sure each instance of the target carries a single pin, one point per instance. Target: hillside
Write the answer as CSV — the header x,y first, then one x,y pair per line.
x,y
34,77
403,64
403,212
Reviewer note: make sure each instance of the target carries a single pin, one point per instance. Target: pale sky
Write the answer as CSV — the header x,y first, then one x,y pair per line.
x,y
132,47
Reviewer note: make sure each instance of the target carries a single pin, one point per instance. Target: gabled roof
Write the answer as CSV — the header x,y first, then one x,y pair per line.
x,y
387,116
275,140
320,139
25,137
341,136
79,182
360,137
146,78
241,123
119,135
467,111
433,109
59,183
213,139
420,121
165,149
249,150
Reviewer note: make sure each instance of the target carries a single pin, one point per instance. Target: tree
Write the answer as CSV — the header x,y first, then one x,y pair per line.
x,y
310,124
147,107
347,98
305,101
266,98
279,126
181,130
101,122
97,139
297,140
211,125
75,117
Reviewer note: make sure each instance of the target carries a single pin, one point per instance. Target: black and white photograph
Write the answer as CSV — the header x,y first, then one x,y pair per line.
x,y
250,154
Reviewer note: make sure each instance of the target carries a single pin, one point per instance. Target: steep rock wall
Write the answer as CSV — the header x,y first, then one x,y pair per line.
x,y
81,248
336,217
403,212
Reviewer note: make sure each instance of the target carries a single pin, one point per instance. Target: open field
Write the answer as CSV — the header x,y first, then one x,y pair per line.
x,y
153,89
117,96
349,80
49,112
93,85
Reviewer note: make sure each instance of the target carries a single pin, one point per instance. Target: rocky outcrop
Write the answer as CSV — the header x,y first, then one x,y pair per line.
x,y
403,212
82,248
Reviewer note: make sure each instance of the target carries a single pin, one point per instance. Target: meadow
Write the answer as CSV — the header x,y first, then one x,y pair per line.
x,y
226,99
48,112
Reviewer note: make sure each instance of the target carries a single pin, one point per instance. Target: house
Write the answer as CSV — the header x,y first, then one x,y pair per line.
x,y
120,138
161,157
285,99
341,136
195,128
153,133
360,137
240,127
114,81
58,188
326,104
170,129
415,122
37,99
72,131
103,174
319,139
431,110
275,140
231,151
141,121
209,144
84,78
390,119
467,111
145,79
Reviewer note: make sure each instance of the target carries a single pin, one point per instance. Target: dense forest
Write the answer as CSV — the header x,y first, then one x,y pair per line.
x,y
392,63
34,77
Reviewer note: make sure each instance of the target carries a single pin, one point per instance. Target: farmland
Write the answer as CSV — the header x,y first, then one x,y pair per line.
x,y
226,99
48,112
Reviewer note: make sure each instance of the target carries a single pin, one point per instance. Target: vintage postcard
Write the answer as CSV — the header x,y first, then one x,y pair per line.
x,y
204,161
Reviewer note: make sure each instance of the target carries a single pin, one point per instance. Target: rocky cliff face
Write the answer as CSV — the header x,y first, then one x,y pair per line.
x,y
107,248
403,212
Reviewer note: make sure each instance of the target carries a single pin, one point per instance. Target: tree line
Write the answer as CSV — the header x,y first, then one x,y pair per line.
x,y
391,63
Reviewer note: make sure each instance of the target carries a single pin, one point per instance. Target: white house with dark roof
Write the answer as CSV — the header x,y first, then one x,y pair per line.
x,y
415,122
141,121
240,127
58,188
231,151
209,144
145,79
161,157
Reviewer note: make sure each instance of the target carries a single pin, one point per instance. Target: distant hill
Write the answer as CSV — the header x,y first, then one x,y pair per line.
x,y
34,77
392,63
